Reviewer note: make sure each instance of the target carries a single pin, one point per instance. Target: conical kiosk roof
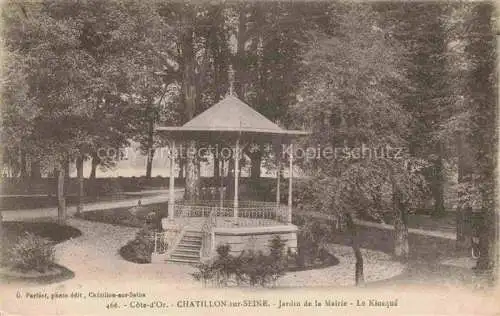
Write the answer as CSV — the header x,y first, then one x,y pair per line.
x,y
231,115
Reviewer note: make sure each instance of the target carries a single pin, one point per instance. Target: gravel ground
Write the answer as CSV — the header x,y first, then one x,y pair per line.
x,y
461,262
377,266
95,256
98,267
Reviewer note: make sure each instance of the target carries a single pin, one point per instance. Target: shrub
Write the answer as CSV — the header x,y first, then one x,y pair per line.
x,y
278,258
277,247
220,270
4,251
311,240
225,265
129,184
140,249
205,273
112,186
32,252
259,189
253,266
249,267
303,193
264,189
153,218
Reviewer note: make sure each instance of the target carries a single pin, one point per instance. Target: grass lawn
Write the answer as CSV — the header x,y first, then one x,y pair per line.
x,y
127,216
426,253
43,201
422,248
12,231
446,223
55,232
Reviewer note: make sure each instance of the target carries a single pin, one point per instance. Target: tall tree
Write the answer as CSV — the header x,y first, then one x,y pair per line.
x,y
349,100
267,61
455,132
421,29
84,81
56,74
471,58
482,92
202,52
189,97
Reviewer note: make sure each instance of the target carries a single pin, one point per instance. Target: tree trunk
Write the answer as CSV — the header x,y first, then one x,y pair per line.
x,y
36,172
377,200
66,176
149,163
220,60
240,61
79,174
189,94
437,186
52,179
151,151
188,74
463,211
463,228
1,226
93,168
66,169
256,160
401,246
230,179
482,85
24,165
192,189
61,201
216,169
359,269
221,182
487,240
182,163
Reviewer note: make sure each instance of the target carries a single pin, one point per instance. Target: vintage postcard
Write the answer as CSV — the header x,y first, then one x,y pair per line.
x,y
241,157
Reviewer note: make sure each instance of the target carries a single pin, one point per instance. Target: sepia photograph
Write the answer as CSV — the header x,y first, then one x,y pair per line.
x,y
167,157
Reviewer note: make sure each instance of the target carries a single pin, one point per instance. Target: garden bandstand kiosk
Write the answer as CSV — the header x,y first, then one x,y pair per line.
x,y
193,230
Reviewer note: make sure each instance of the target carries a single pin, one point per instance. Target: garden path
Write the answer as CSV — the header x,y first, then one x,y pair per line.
x,y
98,267
158,196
